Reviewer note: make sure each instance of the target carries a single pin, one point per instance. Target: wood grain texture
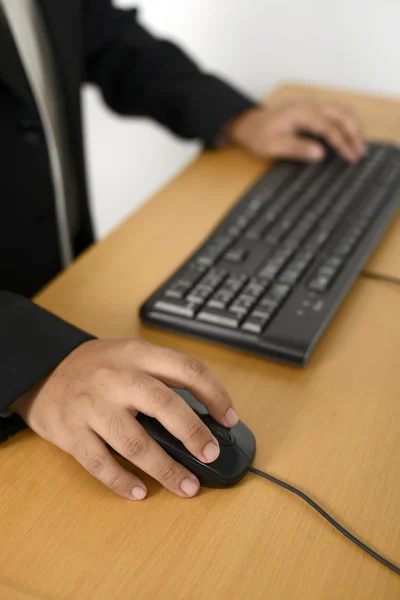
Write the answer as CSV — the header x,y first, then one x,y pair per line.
x,y
333,429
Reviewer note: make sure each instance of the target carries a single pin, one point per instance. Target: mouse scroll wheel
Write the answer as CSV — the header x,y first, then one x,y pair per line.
x,y
222,434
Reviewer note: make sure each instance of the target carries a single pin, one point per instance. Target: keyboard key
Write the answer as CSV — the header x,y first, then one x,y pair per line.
x,y
335,261
221,298
327,270
267,305
330,221
256,231
200,294
187,279
319,283
223,318
176,290
191,275
235,282
274,265
279,292
213,278
255,287
234,231
256,324
275,234
318,239
326,273
206,286
271,302
181,308
296,267
216,248
236,255
300,232
243,304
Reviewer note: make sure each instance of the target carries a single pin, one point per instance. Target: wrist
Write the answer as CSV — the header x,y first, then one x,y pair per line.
x,y
22,405
236,130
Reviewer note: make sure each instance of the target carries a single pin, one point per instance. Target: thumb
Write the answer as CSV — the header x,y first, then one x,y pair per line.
x,y
297,148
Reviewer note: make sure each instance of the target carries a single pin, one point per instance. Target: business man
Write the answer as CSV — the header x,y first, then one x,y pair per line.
x,y
77,392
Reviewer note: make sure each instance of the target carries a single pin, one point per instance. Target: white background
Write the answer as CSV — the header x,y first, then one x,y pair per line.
x,y
255,43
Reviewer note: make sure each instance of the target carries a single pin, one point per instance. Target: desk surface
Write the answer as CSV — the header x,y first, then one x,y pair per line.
x,y
333,429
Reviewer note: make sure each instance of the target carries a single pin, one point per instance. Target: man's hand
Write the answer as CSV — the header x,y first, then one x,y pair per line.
x,y
276,132
94,396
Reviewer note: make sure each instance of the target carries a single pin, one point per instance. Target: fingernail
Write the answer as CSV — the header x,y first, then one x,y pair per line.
x,y
316,153
139,492
190,487
231,418
211,451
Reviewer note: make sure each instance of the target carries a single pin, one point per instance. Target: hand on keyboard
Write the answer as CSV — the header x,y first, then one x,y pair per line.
x,y
276,132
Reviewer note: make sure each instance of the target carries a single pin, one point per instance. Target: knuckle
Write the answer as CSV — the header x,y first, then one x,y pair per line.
x,y
85,398
351,124
163,399
115,481
130,344
95,463
324,126
334,135
115,427
131,348
347,108
196,368
222,397
103,374
139,381
78,450
136,446
167,473
196,430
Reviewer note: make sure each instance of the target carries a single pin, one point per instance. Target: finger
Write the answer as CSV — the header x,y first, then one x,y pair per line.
x,y
316,122
296,148
181,371
93,455
350,126
348,110
155,399
123,433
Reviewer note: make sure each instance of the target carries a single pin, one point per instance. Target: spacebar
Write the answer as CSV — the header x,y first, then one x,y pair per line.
x,y
219,317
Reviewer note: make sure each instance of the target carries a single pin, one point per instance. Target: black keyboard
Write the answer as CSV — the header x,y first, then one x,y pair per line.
x,y
274,271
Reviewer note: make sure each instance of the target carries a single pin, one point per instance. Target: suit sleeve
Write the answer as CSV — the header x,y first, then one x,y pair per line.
x,y
32,343
145,76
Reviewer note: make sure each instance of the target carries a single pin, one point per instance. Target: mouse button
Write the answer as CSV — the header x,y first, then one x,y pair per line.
x,y
244,439
194,404
222,434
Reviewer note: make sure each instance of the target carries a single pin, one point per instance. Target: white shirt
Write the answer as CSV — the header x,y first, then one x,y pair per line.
x,y
32,40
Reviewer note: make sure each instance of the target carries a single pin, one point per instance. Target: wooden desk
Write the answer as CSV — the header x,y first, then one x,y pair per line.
x,y
333,429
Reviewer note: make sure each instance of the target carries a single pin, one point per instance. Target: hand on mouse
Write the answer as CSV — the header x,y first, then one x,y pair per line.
x,y
94,395
275,132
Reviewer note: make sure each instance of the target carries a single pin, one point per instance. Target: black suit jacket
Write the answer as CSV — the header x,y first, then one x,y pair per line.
x,y
138,75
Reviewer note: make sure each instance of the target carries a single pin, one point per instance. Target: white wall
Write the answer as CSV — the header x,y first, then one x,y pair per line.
x,y
256,43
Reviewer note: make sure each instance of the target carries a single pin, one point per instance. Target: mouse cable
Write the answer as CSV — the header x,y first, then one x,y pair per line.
x,y
330,519
314,505
381,277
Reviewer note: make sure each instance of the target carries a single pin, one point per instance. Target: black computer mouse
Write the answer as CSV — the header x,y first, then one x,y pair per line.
x,y
237,447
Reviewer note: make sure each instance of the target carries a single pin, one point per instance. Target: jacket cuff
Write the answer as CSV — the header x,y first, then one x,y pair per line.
x,y
218,104
32,343
10,426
